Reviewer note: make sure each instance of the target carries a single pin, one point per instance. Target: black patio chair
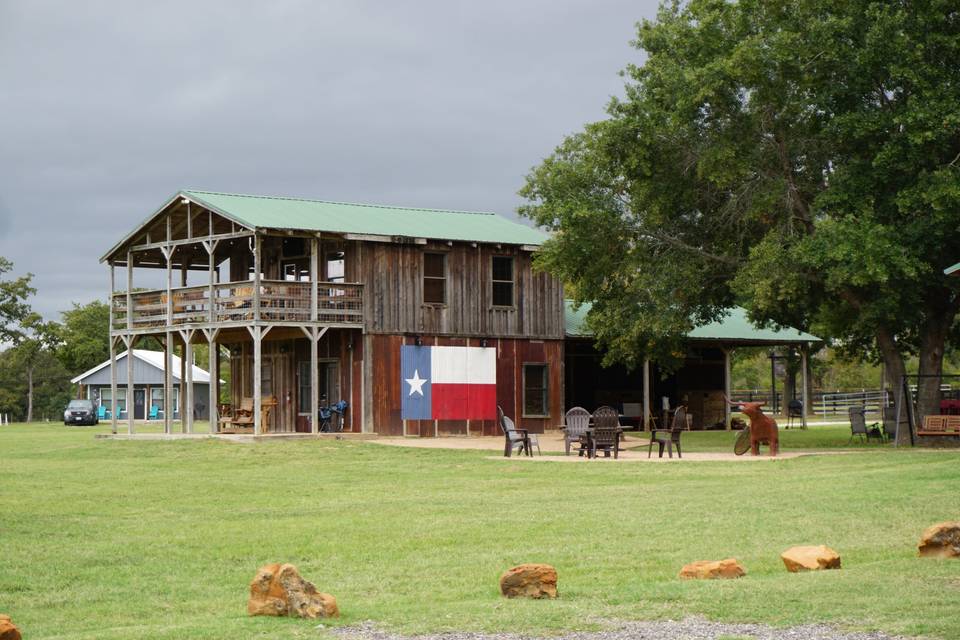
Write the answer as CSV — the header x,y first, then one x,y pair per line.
x,y
667,438
606,432
858,426
794,412
513,437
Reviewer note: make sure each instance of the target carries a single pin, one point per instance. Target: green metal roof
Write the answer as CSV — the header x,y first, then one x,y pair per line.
x,y
735,327
952,271
267,212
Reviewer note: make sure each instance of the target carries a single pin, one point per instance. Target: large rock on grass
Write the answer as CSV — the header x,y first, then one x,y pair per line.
x,y
810,558
8,630
941,541
713,569
529,581
278,590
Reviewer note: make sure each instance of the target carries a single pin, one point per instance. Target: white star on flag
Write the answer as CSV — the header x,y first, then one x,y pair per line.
x,y
416,383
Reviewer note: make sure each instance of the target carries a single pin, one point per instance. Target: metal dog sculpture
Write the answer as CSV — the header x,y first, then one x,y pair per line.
x,y
763,428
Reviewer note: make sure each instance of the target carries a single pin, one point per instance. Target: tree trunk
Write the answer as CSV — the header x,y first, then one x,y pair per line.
x,y
931,364
30,393
895,369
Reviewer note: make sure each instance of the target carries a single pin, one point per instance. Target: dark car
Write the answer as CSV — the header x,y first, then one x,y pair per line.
x,y
80,412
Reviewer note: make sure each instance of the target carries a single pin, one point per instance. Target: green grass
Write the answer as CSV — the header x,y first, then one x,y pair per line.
x,y
103,539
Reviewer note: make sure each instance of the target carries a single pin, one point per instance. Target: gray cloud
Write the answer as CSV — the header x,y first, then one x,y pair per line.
x,y
110,107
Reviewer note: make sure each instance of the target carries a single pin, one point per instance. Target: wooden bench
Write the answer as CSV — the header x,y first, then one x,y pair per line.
x,y
242,419
940,426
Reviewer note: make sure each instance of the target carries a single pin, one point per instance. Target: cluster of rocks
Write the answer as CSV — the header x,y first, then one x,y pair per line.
x,y
279,590
795,559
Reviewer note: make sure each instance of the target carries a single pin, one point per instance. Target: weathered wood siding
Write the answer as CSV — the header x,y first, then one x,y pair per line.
x,y
392,275
385,387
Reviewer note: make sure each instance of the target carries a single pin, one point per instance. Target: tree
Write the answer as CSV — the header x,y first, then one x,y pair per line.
x,y
84,336
13,305
797,158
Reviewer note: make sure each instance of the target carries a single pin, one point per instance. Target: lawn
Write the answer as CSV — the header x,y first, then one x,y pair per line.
x,y
104,539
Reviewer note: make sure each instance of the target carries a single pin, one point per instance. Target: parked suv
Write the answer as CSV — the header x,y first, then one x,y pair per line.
x,y
80,412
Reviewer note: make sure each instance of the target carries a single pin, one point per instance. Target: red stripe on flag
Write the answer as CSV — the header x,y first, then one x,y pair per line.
x,y
464,401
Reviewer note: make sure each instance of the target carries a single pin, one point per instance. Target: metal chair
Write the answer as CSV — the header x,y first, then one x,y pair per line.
x,y
794,412
576,422
667,438
858,426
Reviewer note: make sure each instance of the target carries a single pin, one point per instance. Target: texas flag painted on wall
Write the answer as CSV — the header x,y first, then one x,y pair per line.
x,y
448,383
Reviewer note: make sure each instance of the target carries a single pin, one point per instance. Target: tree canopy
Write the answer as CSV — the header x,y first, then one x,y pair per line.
x,y
797,158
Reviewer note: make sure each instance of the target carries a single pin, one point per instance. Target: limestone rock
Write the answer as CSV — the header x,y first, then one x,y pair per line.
x,y
529,581
8,630
941,540
711,569
278,590
810,558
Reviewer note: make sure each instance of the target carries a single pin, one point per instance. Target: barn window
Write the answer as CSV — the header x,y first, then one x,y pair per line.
x,y
502,281
435,278
536,399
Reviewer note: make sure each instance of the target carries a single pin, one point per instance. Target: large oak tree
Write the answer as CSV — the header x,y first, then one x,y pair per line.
x,y
800,158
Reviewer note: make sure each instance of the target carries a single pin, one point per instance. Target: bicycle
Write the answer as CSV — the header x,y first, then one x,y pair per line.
x,y
331,417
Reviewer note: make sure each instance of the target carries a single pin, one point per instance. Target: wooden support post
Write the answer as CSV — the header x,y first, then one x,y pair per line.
x,y
113,385
646,394
129,291
314,379
256,279
314,277
188,379
726,389
255,331
168,383
803,379
214,348
130,340
183,387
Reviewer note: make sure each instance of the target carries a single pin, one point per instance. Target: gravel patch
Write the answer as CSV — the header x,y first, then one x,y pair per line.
x,y
693,628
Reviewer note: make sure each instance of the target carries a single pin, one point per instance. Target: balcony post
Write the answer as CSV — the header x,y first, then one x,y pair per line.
x,y
129,290
183,385
727,389
256,279
314,276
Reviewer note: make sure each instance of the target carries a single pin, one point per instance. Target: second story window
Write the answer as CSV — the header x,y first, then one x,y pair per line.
x,y
502,281
435,278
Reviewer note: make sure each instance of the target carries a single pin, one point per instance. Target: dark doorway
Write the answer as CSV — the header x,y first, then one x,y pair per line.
x,y
139,402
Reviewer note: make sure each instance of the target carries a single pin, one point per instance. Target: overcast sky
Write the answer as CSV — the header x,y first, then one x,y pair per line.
x,y
108,108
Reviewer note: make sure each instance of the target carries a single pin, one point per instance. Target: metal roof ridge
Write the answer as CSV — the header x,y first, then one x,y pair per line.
x,y
350,204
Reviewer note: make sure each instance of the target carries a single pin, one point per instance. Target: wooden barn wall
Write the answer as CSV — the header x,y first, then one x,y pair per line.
x,y
393,291
282,356
383,374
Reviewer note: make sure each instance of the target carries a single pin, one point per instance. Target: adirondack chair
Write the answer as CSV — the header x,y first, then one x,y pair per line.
x,y
667,438
858,426
576,422
513,438
102,412
154,413
606,432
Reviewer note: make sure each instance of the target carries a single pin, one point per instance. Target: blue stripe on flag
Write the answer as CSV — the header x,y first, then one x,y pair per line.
x,y
415,381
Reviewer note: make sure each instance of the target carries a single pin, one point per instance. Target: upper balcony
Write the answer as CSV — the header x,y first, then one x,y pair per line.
x,y
280,301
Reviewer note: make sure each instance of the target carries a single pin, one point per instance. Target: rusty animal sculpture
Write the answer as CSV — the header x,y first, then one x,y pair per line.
x,y
763,428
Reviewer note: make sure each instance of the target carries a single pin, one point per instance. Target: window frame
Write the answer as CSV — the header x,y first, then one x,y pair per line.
x,y
423,280
546,390
512,281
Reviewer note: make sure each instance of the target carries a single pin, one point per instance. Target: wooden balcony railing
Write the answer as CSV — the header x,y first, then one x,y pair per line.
x,y
280,301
